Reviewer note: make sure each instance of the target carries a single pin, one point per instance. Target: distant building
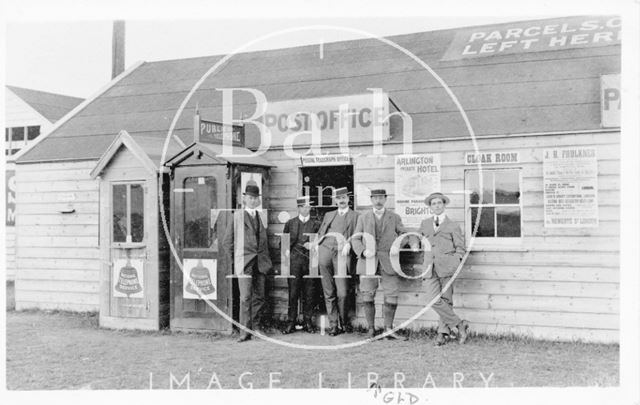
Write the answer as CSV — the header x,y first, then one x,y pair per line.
x,y
29,114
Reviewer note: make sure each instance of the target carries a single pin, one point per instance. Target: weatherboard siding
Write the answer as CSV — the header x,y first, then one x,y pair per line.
x,y
58,254
560,283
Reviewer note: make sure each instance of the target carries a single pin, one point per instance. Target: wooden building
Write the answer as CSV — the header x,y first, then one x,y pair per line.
x,y
29,114
540,100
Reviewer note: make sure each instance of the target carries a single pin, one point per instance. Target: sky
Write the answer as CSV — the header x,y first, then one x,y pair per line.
x,y
64,46
74,57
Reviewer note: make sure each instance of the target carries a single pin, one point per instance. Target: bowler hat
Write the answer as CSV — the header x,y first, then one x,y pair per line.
x,y
379,192
252,189
304,200
441,196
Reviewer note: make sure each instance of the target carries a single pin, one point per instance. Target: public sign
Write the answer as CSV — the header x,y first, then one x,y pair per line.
x,y
214,132
200,274
570,187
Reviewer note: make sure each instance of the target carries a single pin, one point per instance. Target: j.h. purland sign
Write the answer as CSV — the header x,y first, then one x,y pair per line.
x,y
533,36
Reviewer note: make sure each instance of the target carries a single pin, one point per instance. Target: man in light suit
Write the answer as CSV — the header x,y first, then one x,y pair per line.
x,y
251,256
335,286
375,233
447,250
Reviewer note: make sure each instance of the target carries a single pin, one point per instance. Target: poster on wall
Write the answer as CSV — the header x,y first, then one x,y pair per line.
x,y
570,187
416,176
200,273
128,278
10,200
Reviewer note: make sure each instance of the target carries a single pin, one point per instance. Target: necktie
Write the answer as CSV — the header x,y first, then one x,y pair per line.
x,y
437,222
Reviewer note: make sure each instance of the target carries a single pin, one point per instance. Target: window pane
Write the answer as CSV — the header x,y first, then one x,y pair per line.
x,y
507,187
486,228
508,219
473,185
33,132
197,211
6,134
137,213
119,213
17,134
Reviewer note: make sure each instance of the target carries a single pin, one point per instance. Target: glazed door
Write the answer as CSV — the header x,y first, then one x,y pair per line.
x,y
129,276
200,283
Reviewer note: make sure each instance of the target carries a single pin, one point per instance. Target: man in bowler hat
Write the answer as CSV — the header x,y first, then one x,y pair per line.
x,y
447,250
247,241
376,230
298,251
335,287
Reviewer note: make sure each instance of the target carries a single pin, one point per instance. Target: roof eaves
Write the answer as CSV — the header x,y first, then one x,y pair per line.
x,y
77,109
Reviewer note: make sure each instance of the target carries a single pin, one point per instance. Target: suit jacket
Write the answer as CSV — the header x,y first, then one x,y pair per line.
x,y
392,227
293,227
252,248
447,245
351,220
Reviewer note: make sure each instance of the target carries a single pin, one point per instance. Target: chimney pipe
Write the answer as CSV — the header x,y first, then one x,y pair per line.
x,y
117,49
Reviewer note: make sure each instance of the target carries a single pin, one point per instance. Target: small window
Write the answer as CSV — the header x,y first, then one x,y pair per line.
x,y
17,134
128,213
198,206
498,204
33,132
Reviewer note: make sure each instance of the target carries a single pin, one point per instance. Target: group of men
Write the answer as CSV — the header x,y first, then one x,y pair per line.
x,y
345,238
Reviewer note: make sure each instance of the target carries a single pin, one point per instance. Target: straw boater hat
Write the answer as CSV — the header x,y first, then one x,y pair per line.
x,y
340,191
252,189
441,196
378,192
304,200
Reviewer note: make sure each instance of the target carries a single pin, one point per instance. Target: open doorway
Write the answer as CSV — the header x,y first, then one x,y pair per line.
x,y
318,182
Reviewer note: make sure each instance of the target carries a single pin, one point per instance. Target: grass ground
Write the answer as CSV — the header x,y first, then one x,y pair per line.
x,y
70,351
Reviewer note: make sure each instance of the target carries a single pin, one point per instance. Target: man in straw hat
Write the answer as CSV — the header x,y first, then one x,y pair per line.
x,y
298,229
251,255
447,250
335,286
375,233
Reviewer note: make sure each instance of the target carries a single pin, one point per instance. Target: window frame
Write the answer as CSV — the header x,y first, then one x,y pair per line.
x,y
127,242
482,243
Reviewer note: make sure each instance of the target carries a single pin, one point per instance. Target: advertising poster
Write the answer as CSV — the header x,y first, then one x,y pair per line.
x,y
570,187
200,273
128,278
416,176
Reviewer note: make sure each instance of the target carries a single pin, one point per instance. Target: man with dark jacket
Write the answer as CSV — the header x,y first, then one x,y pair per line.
x,y
298,252
246,241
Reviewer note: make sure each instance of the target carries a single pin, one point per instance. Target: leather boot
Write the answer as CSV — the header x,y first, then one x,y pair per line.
x,y
389,314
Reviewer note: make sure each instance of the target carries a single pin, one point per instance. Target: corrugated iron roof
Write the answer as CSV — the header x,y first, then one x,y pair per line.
x,y
50,105
547,91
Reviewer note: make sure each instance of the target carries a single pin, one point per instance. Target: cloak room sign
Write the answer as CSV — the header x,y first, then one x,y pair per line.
x,y
570,187
532,36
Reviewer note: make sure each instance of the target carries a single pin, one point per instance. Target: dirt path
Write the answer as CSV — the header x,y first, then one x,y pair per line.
x,y
68,351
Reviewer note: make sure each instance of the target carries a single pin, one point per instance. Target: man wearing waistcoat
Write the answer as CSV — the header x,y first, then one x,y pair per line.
x,y
447,250
335,286
251,254
298,253
384,227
